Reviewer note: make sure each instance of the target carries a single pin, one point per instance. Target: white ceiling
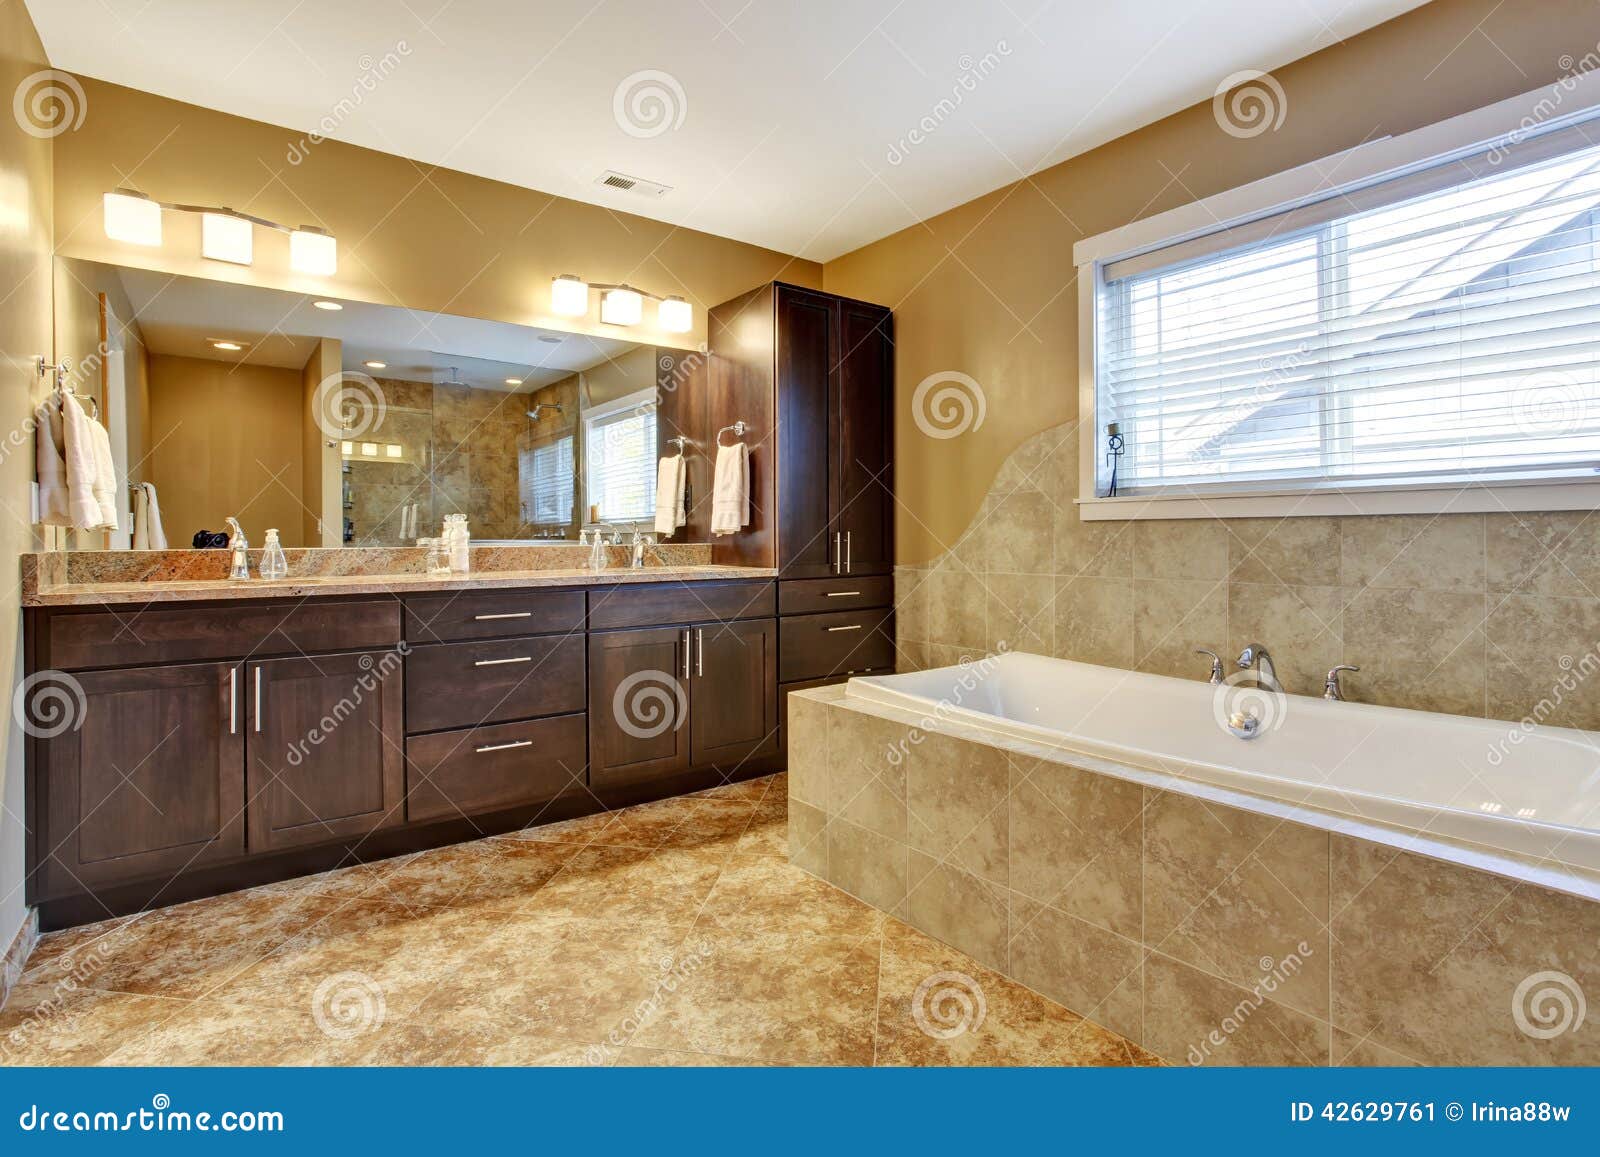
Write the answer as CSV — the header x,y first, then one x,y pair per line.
x,y
790,111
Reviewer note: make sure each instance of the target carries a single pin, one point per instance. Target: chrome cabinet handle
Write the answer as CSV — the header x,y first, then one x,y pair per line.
x,y
503,746
504,615
838,594
233,701
686,653
498,662
847,552
838,554
258,698
851,627
700,651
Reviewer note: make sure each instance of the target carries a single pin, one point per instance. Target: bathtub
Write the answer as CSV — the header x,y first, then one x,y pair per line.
x,y
1529,791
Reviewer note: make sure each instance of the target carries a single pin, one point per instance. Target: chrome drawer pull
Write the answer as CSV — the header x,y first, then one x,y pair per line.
x,y
258,699
497,662
233,700
503,746
838,594
504,615
851,627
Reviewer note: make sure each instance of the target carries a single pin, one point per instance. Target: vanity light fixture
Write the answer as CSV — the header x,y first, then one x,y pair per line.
x,y
621,306
132,217
376,365
347,448
392,450
369,449
675,315
332,306
313,250
569,295
227,237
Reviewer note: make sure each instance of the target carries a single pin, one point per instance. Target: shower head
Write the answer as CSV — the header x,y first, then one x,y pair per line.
x,y
533,414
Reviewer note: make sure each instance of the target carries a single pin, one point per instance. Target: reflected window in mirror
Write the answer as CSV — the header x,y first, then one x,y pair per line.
x,y
619,451
546,481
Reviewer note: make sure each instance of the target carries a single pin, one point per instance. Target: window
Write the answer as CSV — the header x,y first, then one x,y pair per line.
x,y
619,453
1439,329
546,482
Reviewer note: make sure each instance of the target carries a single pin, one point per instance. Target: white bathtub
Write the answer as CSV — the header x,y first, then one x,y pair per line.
x,y
1445,775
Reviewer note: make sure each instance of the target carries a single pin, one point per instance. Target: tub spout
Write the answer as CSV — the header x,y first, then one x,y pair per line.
x,y
1255,655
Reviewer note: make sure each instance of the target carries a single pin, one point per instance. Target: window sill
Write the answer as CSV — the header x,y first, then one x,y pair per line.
x,y
1504,497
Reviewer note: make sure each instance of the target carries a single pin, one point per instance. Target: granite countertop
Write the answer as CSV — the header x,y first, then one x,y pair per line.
x,y
197,590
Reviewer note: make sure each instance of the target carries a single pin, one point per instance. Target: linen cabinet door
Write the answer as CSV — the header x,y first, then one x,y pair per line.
x,y
638,705
150,779
863,444
734,703
807,347
326,748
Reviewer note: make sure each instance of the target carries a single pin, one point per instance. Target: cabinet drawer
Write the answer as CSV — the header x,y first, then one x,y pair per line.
x,y
492,615
483,769
465,684
176,634
817,646
812,596
656,604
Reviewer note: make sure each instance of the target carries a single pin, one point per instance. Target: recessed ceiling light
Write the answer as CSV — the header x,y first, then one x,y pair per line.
x,y
334,305
377,365
549,339
226,345
513,381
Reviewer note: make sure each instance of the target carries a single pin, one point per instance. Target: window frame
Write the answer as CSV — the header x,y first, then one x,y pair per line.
x,y
1570,101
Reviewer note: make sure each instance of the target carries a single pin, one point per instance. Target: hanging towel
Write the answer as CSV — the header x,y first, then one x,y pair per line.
x,y
83,504
50,465
105,476
148,533
670,512
730,495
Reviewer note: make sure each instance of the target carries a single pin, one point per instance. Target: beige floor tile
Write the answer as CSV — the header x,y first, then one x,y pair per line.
x,y
764,894
50,1025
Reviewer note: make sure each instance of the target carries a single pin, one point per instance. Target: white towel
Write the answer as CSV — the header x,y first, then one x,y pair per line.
x,y
730,494
670,512
50,465
105,476
148,533
82,458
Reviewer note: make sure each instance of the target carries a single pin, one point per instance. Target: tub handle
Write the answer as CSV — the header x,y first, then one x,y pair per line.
x,y
1216,663
1330,687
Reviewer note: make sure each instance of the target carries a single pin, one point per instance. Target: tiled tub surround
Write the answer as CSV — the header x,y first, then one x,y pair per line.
x,y
1472,614
1205,925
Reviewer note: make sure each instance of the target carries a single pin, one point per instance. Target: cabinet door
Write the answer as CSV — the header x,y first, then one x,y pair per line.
x,y
151,781
326,748
638,705
862,475
734,703
807,344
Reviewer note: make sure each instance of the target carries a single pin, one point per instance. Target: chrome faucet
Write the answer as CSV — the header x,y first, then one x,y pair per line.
x,y
239,550
1330,687
640,541
1255,655
1216,664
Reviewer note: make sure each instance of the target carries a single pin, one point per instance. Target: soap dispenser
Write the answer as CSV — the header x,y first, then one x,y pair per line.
x,y
274,565
237,543
597,552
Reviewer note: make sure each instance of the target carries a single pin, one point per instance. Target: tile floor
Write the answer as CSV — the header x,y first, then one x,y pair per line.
x,y
675,933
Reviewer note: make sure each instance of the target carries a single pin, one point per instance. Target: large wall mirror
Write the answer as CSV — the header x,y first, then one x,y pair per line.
x,y
364,425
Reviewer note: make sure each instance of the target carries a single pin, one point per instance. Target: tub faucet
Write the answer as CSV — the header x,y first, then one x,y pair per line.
x,y
1255,655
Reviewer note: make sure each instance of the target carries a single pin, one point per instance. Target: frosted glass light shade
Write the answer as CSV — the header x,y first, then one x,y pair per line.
x,y
132,218
675,315
569,296
224,237
313,251
621,307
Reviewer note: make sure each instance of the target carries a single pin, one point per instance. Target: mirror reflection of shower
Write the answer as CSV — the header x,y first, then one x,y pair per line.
x,y
533,414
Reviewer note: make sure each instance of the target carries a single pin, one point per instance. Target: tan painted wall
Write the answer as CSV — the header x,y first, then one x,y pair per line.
x,y
227,441
410,235
25,230
988,289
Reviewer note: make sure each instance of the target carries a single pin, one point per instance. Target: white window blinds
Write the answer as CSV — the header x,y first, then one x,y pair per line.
x,y
619,453
547,483
1383,338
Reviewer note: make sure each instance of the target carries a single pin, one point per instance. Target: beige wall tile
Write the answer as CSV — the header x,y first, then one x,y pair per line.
x,y
808,838
1289,551
1094,621
1171,619
1020,530
868,866
1428,958
1302,627
1542,660
1021,612
1102,549
1092,971
1190,548
1239,895
955,608
1192,1017
911,603
955,794
1075,843
1422,649
1355,1051
866,771
807,737
958,908
1414,551
1544,554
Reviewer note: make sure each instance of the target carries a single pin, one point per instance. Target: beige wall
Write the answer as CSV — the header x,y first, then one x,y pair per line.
x,y
410,235
321,493
25,228
227,441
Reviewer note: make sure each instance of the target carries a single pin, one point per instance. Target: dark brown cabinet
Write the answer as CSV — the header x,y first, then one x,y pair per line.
x,y
733,697
151,781
325,758
638,705
860,445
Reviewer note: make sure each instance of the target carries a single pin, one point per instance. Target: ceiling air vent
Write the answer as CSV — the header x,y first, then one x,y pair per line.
x,y
638,186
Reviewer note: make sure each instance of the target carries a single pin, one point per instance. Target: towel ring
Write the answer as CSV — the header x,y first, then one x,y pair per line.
x,y
738,428
679,441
